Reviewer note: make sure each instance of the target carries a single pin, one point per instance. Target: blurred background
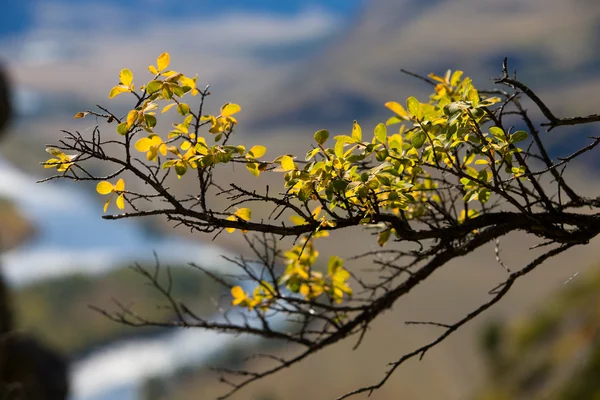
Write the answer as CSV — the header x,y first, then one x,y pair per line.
x,y
294,66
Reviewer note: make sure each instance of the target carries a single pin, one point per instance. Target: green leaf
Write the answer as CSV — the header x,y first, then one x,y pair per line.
x,y
380,133
339,185
414,107
418,139
356,131
518,136
153,87
321,136
498,133
122,128
383,237
150,120
180,168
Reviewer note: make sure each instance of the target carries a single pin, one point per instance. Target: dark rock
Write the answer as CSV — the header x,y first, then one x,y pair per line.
x,y
28,370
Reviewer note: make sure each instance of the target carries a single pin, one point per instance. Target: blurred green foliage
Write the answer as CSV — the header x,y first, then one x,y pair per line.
x,y
554,354
58,311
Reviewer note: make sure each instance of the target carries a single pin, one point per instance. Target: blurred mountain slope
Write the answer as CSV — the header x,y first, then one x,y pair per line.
x,y
552,353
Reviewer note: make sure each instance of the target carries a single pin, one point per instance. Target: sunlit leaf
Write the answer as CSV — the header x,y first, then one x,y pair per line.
x,y
287,163
162,62
120,202
104,187
244,213
380,133
257,151
230,109
126,77
414,107
120,185
356,131
397,108
117,90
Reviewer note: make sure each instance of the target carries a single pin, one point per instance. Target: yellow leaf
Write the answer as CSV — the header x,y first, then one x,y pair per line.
x,y
104,187
185,145
397,108
297,220
168,107
231,218
80,115
117,90
287,163
126,77
257,151
243,213
152,69
51,163
143,144
121,202
317,211
230,109
186,81
131,117
304,289
120,186
106,205
163,61
356,132
238,295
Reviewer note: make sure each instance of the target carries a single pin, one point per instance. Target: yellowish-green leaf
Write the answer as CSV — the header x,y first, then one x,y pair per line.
x,y
122,128
253,168
152,69
131,118
297,220
168,107
126,77
381,133
414,107
117,90
183,109
153,87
